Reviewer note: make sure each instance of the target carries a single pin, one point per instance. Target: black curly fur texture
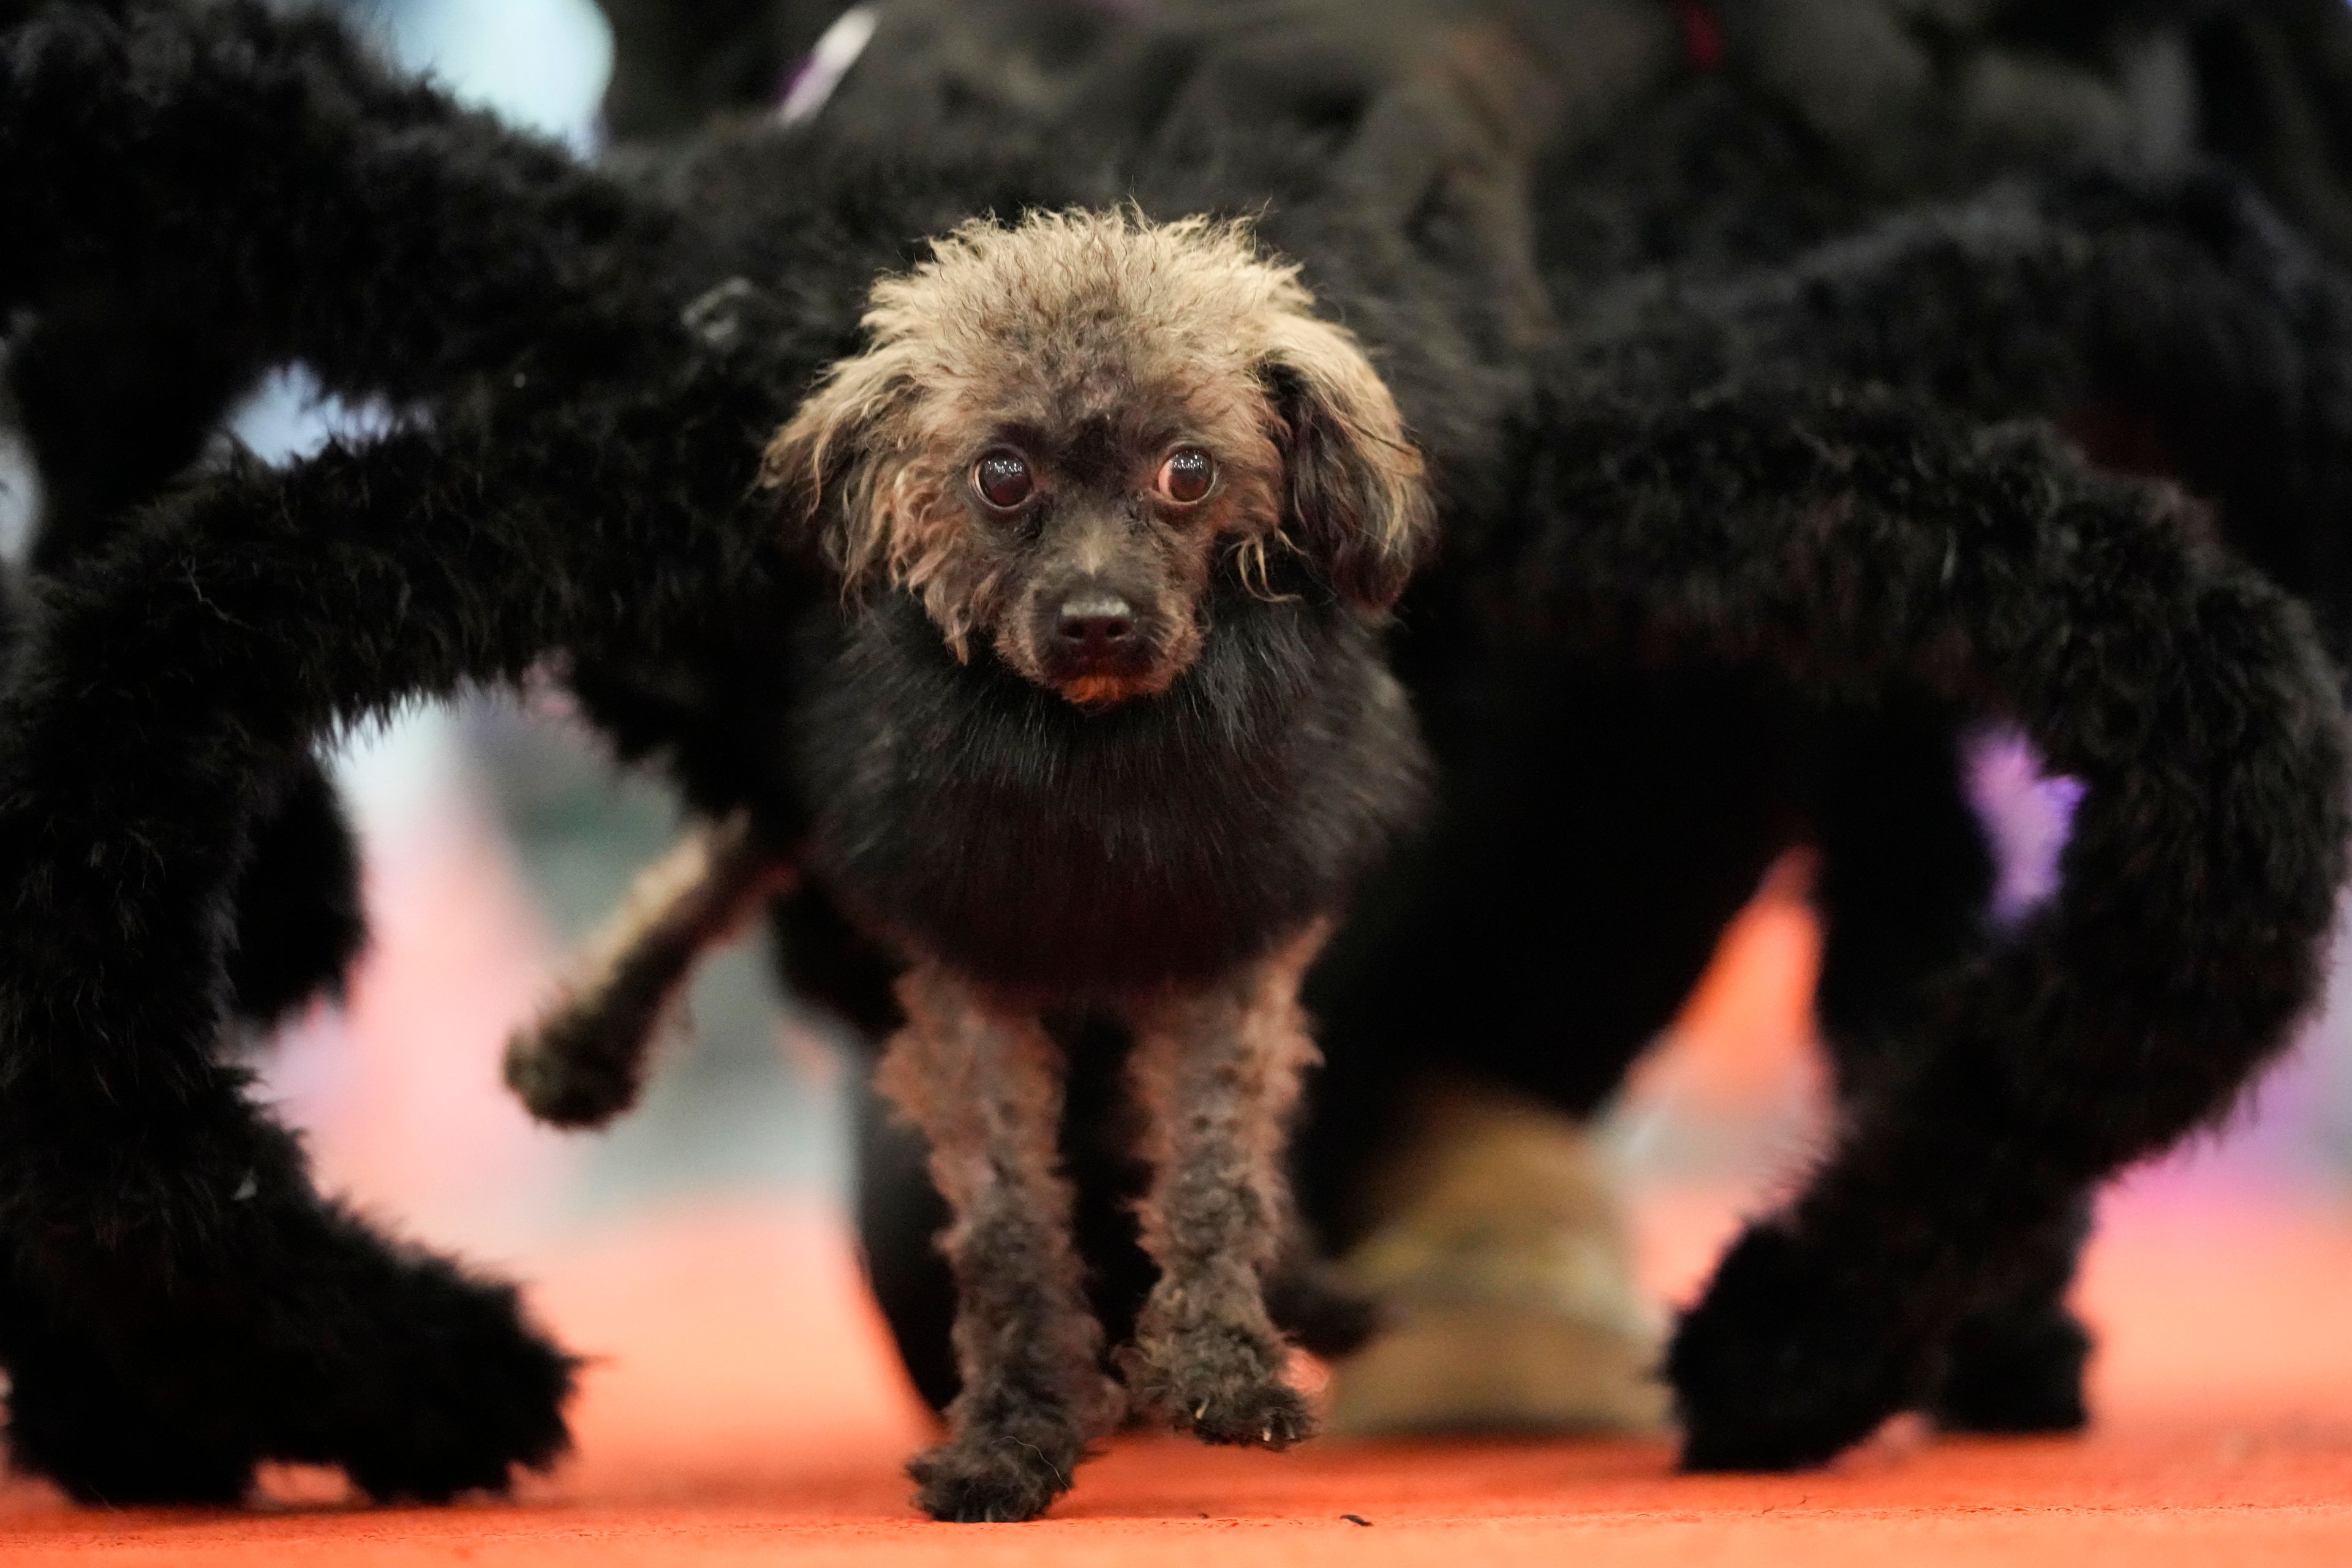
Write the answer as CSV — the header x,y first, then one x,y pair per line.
x,y
1695,493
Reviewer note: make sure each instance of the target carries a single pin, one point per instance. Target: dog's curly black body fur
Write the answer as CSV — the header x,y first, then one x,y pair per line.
x,y
1297,766
1859,562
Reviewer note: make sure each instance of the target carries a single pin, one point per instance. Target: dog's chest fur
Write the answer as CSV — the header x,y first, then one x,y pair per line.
x,y
963,812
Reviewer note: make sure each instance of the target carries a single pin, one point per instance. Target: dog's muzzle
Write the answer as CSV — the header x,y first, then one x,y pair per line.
x,y
1096,645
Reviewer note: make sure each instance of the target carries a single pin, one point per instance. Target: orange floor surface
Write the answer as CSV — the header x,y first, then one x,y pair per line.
x,y
744,1411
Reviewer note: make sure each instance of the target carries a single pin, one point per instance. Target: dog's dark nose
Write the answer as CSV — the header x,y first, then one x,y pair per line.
x,y
1096,625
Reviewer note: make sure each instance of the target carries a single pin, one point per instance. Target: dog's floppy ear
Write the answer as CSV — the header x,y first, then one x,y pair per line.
x,y
836,463
1358,501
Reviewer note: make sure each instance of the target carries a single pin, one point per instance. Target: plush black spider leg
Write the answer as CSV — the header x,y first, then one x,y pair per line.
x,y
300,923
280,196
1868,546
116,397
2217,349
2015,1362
314,207
1905,876
1904,887
298,1334
2172,326
157,1224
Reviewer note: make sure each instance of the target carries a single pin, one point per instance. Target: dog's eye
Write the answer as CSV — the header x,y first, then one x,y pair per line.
x,y
1187,475
1002,478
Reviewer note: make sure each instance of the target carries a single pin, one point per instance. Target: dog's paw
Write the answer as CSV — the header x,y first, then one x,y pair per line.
x,y
1221,1387
990,1478
1773,1372
2015,1374
1262,1414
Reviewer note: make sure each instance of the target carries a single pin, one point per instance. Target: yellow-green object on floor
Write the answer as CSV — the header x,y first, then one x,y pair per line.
x,y
1502,1256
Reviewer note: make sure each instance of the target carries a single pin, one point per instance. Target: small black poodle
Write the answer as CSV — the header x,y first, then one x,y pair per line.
x,y
1125,508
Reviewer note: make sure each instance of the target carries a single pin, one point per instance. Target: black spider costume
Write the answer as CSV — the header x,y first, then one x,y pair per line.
x,y
593,384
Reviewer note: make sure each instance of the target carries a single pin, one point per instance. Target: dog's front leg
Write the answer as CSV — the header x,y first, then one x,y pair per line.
x,y
985,1084
1218,1074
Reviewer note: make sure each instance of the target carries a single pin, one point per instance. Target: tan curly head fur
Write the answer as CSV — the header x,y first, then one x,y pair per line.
x,y
1081,352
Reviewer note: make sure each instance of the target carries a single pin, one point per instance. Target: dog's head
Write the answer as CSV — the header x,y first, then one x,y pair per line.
x,y
1060,429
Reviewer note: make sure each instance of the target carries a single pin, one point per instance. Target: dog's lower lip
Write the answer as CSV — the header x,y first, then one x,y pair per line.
x,y
1101,682
1100,691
